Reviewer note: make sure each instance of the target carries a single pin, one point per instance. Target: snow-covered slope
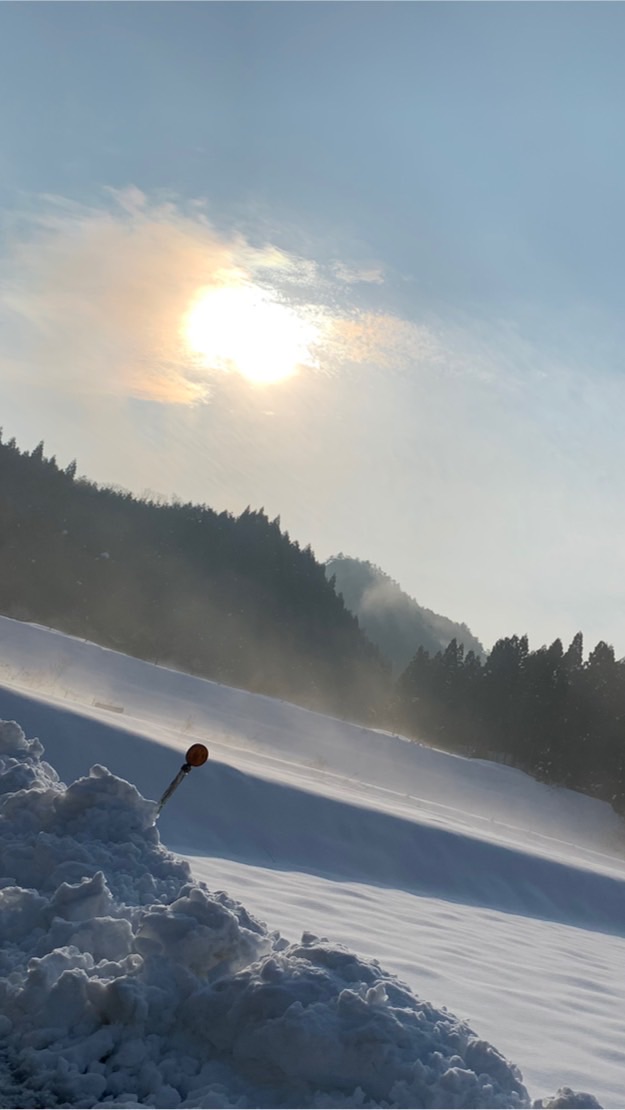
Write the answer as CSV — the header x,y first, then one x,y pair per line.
x,y
488,893
283,742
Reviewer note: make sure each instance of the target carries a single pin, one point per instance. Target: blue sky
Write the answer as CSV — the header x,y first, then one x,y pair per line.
x,y
434,190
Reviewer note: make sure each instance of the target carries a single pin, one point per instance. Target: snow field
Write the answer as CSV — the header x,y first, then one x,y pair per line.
x,y
484,891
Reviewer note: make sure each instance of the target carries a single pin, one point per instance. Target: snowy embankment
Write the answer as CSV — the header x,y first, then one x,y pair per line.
x,y
126,983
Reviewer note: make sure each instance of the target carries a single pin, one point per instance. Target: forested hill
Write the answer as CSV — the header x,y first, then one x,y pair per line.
x,y
392,619
229,598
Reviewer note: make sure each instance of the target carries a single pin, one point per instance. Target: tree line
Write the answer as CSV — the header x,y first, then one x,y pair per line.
x,y
549,712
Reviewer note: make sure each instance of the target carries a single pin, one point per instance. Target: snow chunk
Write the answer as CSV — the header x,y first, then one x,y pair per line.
x,y
123,983
327,1022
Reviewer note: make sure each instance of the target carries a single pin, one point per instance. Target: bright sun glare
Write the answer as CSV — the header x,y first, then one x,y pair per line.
x,y
240,327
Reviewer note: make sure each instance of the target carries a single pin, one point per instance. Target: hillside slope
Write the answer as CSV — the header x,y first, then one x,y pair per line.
x,y
393,620
265,737
230,598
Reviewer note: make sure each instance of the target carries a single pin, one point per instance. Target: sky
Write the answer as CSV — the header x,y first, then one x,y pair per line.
x,y
360,264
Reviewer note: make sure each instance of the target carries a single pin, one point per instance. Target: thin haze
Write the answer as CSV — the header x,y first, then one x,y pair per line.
x,y
417,209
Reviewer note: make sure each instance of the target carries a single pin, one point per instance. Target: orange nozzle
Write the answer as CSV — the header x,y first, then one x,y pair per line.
x,y
196,755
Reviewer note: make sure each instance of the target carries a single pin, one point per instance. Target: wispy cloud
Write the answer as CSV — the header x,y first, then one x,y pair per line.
x,y
93,299
382,340
369,275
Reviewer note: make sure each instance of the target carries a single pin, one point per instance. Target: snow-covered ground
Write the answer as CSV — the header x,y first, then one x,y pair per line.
x,y
489,895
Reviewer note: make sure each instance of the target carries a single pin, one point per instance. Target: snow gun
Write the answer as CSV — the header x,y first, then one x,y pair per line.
x,y
195,757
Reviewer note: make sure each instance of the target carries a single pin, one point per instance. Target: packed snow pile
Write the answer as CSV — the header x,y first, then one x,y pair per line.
x,y
125,983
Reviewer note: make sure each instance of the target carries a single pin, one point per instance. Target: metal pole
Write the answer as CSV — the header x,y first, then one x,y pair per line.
x,y
195,757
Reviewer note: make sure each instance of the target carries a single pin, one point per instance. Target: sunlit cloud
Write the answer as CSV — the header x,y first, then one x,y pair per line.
x,y
242,328
92,299
148,299
382,340
371,275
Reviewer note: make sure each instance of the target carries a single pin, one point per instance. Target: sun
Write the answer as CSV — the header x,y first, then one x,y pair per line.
x,y
242,328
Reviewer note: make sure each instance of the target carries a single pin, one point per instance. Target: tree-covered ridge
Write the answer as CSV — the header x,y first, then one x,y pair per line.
x,y
549,712
392,619
230,598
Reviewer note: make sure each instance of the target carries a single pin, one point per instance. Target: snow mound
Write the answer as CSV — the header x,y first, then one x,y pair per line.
x,y
123,983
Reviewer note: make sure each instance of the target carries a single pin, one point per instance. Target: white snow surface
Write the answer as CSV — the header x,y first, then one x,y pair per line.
x,y
125,980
